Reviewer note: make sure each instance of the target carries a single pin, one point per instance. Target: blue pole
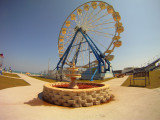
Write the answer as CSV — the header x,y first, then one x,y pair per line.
x,y
69,48
108,63
101,55
77,53
93,74
66,52
95,45
95,52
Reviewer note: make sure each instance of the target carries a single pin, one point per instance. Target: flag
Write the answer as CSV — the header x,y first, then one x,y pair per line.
x,y
1,55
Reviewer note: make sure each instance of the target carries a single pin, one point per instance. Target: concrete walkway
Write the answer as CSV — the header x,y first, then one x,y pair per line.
x,y
31,81
23,103
116,81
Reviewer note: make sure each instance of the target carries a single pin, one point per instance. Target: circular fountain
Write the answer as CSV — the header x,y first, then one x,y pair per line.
x,y
76,95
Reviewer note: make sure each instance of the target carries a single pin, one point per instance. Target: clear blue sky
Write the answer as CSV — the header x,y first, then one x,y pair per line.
x,y
29,32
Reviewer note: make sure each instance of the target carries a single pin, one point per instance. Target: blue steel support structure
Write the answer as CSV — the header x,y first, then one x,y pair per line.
x,y
77,53
98,54
100,60
101,54
64,57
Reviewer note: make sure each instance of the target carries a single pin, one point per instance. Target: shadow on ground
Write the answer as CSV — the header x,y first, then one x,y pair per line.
x,y
38,101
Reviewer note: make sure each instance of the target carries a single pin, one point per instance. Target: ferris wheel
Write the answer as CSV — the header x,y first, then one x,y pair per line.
x,y
89,35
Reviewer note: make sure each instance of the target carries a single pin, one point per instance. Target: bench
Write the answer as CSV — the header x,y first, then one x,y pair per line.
x,y
144,76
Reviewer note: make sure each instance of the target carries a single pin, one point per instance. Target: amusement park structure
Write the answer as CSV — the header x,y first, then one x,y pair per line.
x,y
88,37
86,40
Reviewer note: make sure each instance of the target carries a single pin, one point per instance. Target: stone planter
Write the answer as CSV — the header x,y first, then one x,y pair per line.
x,y
76,97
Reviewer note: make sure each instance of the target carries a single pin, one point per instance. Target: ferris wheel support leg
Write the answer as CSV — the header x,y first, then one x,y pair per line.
x,y
108,63
94,51
77,53
66,52
100,55
93,74
95,46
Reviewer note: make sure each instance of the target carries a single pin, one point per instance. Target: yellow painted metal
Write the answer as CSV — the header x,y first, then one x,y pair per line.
x,y
117,43
116,37
110,9
96,61
86,7
110,57
60,47
64,31
73,16
68,23
60,55
61,40
102,5
61,37
61,51
116,16
72,69
79,11
120,29
109,51
94,5
118,24
60,44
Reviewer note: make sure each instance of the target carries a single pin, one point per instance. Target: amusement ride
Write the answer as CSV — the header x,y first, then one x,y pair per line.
x,y
88,37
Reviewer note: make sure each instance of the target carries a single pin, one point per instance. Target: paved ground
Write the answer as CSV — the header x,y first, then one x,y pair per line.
x,y
131,103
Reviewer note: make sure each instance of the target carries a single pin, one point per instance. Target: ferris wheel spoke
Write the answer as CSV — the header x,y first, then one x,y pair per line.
x,y
93,26
68,40
82,15
94,16
76,19
69,36
76,42
71,29
89,15
68,32
102,22
99,25
98,42
98,18
103,28
85,17
99,34
72,49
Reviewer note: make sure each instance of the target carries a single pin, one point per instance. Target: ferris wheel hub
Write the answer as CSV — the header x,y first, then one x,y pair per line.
x,y
80,28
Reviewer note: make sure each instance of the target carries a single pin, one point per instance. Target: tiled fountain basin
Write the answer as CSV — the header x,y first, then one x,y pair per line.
x,y
76,97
